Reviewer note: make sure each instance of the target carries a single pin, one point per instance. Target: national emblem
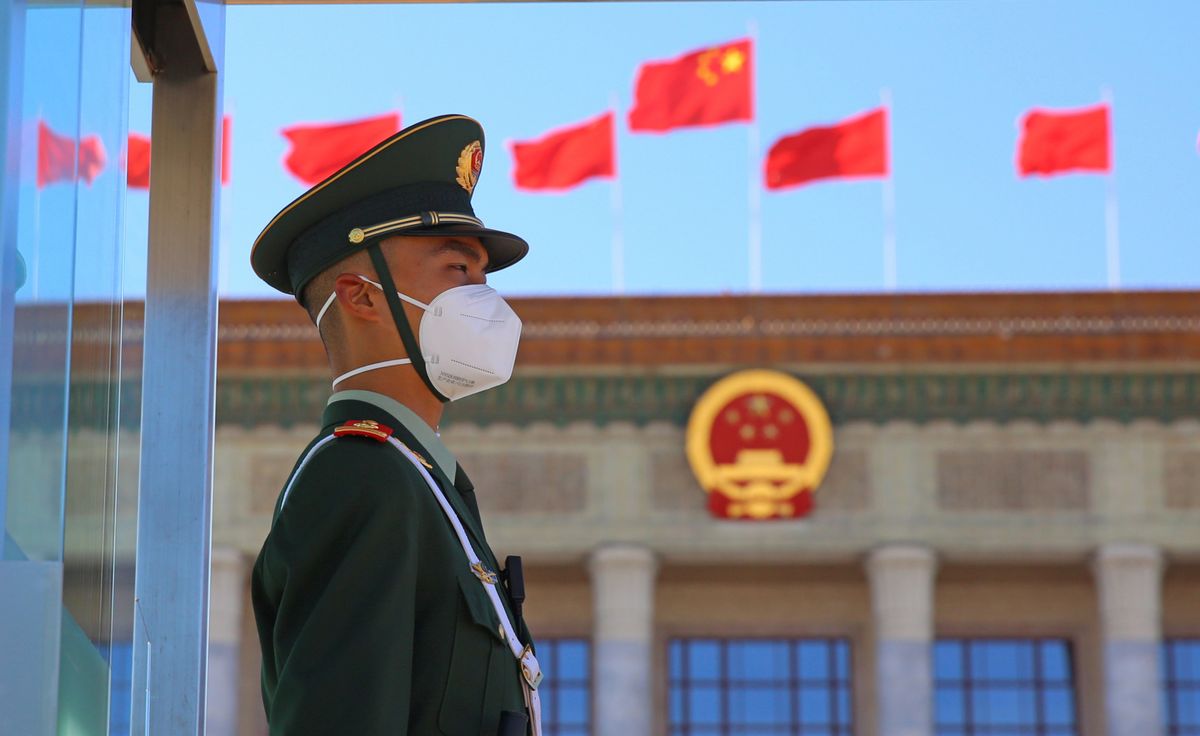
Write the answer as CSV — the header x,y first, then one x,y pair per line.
x,y
759,442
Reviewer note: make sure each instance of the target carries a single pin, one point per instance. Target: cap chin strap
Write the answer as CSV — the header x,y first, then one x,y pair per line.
x,y
411,346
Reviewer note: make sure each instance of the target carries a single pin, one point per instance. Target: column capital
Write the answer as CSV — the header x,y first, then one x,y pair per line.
x,y
1129,588
901,555
622,556
901,577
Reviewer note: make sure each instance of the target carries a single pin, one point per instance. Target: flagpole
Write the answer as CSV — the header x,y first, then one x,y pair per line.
x,y
889,200
618,207
754,191
1112,243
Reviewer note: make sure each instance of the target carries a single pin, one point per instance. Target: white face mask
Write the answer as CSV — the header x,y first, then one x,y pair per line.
x,y
468,336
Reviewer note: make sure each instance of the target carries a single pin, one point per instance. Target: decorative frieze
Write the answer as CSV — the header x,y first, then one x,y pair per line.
x,y
1013,480
600,399
1181,479
528,482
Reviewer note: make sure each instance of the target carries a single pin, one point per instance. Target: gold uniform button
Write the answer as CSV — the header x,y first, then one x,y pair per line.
x,y
357,235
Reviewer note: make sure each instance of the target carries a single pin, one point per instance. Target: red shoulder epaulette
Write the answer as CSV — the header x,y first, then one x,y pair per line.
x,y
364,428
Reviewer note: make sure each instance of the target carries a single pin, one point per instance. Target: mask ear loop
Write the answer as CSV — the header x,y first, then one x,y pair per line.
x,y
411,346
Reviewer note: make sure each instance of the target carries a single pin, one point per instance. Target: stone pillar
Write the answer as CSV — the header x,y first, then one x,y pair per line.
x,y
226,602
902,577
623,639
1129,584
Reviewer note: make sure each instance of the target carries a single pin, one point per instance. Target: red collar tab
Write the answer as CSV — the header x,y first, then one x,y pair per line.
x,y
364,428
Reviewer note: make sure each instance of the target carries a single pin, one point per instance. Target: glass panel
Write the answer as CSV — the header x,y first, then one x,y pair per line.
x,y
760,686
566,691
1003,686
69,422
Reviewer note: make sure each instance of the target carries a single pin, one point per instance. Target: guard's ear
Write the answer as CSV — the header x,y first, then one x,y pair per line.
x,y
358,299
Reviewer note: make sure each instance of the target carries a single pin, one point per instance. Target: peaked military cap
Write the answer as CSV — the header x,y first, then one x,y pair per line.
x,y
417,182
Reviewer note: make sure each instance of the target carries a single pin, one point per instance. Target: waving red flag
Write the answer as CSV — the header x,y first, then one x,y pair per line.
x,y
60,160
706,87
137,157
319,150
226,148
137,162
853,148
566,157
56,156
1061,142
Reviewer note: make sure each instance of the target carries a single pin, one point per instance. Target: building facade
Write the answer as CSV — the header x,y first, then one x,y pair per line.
x,y
1007,541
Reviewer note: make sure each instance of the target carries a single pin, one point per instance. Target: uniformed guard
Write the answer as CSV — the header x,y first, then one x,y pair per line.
x,y
379,605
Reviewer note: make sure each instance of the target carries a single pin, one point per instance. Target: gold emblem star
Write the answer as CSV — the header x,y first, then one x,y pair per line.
x,y
759,405
733,416
747,432
771,431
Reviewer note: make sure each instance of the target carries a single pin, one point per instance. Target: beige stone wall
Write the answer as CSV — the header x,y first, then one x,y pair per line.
x,y
1013,512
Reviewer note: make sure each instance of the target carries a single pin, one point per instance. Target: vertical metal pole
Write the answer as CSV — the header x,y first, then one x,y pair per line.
x,y
618,212
1111,241
178,380
754,192
889,199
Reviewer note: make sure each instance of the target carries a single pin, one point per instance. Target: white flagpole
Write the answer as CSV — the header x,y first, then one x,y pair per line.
x,y
1112,242
618,207
754,192
889,200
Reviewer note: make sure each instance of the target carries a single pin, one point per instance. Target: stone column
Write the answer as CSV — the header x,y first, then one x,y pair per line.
x,y
902,577
1129,584
226,601
623,639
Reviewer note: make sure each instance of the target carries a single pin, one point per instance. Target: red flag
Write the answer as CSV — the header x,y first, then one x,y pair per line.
x,y
56,156
319,150
1061,142
566,157
92,158
59,160
705,87
137,157
853,148
137,162
226,148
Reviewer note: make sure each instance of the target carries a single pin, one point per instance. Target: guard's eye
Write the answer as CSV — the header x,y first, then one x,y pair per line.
x,y
459,267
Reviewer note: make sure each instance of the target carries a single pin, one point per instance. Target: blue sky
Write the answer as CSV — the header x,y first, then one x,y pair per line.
x,y
960,76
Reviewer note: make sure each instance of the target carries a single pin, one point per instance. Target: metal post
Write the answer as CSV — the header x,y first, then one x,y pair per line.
x,y
185,44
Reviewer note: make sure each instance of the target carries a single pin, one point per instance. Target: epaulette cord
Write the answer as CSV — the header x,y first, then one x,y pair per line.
x,y
364,428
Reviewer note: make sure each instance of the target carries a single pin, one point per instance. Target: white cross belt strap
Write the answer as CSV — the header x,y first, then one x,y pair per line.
x,y
531,672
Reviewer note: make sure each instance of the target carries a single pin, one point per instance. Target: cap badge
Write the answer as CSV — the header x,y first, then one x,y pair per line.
x,y
470,163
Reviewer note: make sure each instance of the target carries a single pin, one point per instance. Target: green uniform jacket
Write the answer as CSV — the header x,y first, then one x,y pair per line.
x,y
370,620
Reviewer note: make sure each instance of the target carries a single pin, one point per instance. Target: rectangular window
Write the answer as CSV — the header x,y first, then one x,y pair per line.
x,y
760,687
987,687
566,691
1181,686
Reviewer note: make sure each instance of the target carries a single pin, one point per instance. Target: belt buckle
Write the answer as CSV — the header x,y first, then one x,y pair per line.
x,y
531,672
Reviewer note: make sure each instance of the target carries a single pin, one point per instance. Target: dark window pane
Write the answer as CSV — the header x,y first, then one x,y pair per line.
x,y
947,660
704,660
566,691
1002,687
752,687
1055,661
814,661
949,706
704,705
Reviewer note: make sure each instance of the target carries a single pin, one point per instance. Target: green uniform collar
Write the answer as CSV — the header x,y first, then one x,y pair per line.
x,y
416,426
